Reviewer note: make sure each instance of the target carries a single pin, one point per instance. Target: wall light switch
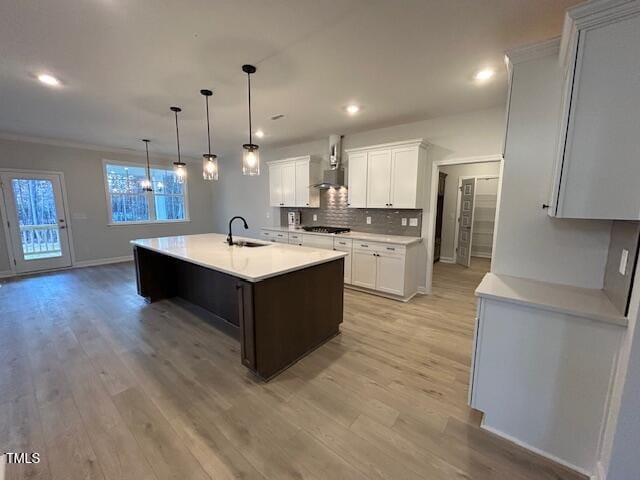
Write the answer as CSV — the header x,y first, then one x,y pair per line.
x,y
268,214
368,220
315,217
413,222
404,222
624,258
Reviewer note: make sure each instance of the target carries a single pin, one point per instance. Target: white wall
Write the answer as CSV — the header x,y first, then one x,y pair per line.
x,y
470,134
529,243
93,239
454,172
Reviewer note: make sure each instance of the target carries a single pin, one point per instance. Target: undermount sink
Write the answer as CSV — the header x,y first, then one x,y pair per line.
x,y
249,244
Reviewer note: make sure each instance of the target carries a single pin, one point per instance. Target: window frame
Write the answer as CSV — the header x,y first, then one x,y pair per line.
x,y
149,195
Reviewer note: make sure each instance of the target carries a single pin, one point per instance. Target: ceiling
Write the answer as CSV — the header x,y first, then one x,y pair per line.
x,y
122,63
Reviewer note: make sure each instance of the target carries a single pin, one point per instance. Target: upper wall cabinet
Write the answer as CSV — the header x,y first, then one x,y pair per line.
x,y
387,176
290,181
597,171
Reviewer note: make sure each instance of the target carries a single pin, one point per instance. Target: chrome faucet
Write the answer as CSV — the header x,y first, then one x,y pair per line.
x,y
230,237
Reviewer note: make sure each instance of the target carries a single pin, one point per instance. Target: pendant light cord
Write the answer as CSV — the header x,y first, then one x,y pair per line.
x,y
178,137
146,146
208,127
250,128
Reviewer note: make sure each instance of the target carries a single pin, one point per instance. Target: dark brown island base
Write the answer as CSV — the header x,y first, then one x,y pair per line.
x,y
282,301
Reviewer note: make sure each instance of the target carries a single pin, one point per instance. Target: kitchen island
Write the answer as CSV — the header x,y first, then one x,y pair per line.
x,y
282,301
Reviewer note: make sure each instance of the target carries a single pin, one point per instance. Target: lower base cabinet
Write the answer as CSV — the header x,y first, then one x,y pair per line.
x,y
364,269
390,269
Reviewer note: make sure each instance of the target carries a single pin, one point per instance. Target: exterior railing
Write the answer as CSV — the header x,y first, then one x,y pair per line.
x,y
40,239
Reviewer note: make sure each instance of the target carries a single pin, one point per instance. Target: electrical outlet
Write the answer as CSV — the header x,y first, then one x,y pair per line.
x,y
268,214
624,258
368,220
404,222
315,217
413,222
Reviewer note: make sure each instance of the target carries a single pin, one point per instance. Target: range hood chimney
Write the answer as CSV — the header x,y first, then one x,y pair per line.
x,y
334,177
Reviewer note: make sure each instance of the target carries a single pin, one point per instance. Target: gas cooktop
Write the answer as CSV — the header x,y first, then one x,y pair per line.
x,y
323,229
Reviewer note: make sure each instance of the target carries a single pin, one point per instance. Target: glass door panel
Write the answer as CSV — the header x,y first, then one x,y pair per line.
x,y
37,224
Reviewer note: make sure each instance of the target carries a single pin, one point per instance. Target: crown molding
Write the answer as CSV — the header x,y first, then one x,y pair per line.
x,y
533,51
84,146
592,14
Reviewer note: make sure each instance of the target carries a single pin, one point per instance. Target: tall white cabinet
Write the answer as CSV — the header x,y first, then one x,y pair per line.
x,y
391,175
290,182
598,162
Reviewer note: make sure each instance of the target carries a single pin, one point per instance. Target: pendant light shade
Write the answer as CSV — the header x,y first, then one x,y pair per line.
x,y
179,166
209,160
250,153
146,184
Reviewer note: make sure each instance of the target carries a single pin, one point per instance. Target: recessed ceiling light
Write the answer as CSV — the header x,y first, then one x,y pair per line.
x,y
352,109
48,79
259,133
484,74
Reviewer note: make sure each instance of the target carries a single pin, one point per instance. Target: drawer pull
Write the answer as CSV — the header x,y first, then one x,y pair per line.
x,y
391,248
363,245
342,243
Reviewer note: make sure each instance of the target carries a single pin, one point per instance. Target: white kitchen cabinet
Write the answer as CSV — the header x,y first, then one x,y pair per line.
x,y
357,179
289,185
275,185
403,188
543,359
379,179
390,273
597,167
295,238
345,245
317,241
388,176
364,266
290,182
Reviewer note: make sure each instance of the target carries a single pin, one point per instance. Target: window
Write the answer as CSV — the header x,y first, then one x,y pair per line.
x,y
129,203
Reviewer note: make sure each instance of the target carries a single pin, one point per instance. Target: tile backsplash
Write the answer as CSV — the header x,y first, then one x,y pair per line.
x,y
333,212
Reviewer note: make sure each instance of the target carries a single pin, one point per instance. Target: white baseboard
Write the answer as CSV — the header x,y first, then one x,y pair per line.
x,y
533,449
81,264
447,260
102,261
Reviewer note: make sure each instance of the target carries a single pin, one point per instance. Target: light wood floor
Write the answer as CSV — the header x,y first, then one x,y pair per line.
x,y
105,386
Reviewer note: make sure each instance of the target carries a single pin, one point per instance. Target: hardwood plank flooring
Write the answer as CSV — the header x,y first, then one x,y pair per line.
x,y
106,386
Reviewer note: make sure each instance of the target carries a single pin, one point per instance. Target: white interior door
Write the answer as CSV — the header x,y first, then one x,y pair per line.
x,y
465,221
36,221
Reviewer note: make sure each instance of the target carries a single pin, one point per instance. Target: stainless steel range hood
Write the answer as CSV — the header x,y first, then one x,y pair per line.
x,y
334,177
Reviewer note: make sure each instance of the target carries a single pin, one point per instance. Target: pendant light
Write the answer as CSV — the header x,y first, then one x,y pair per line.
x,y
146,184
209,160
180,167
250,154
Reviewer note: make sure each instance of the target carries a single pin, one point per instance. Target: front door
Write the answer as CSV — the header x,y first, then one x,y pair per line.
x,y
36,221
465,221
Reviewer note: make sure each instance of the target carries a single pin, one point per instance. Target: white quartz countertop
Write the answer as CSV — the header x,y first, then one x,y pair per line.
x,y
210,250
582,302
370,237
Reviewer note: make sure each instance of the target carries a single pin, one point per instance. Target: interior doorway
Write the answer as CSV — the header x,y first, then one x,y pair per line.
x,y
36,230
465,196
